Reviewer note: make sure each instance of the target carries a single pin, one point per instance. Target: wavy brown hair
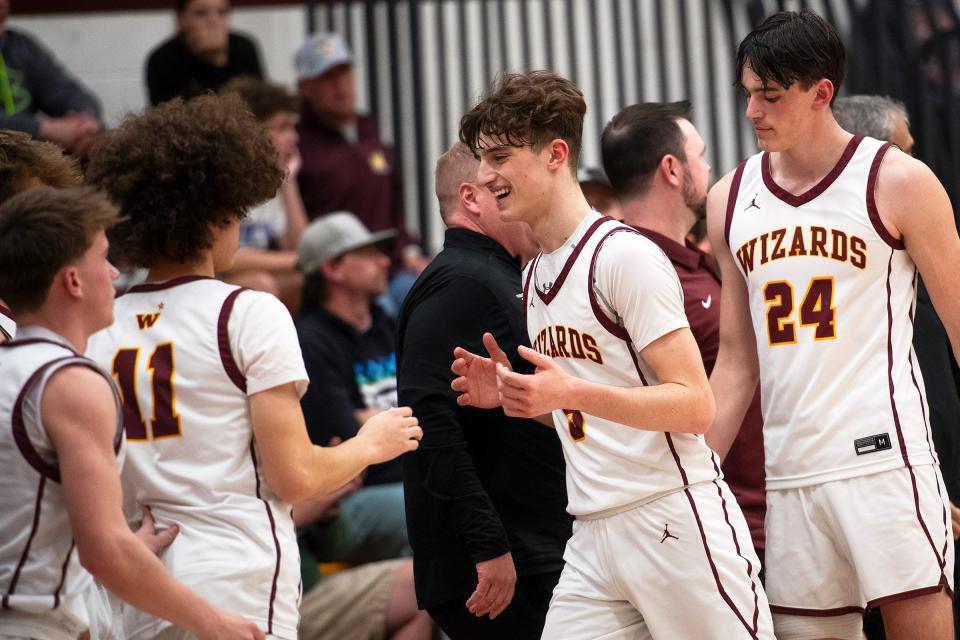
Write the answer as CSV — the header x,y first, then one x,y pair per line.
x,y
528,109
179,170
23,159
264,99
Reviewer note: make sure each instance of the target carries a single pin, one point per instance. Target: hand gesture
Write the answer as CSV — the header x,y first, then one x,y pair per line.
x,y
532,395
477,376
230,626
155,540
496,580
391,433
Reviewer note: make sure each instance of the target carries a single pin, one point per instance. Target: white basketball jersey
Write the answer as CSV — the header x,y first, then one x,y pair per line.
x,y
831,296
593,305
41,581
186,354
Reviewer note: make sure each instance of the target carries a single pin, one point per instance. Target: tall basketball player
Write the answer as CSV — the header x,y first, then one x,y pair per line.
x,y
60,431
658,535
820,238
210,374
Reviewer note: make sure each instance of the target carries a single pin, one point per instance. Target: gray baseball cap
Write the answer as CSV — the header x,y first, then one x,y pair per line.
x,y
334,235
320,53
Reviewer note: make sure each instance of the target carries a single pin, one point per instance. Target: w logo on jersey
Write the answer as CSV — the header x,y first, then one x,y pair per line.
x,y
147,320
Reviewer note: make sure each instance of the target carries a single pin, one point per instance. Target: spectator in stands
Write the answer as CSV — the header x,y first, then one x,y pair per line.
x,y
374,601
202,56
879,117
267,258
39,97
26,163
598,192
349,349
346,167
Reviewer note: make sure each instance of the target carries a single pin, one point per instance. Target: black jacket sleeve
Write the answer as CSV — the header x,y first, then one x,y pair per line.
x,y
444,467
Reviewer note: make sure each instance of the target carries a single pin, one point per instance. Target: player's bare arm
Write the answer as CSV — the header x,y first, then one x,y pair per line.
x,y
914,206
736,372
80,418
298,470
682,402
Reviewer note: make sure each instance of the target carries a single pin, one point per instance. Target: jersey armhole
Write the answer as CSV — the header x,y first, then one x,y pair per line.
x,y
601,316
872,210
230,365
732,200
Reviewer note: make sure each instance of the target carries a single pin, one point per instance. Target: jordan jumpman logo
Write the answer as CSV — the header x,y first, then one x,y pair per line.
x,y
667,534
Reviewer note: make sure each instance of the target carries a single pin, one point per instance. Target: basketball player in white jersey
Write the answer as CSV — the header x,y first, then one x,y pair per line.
x,y
660,548
210,374
820,238
60,497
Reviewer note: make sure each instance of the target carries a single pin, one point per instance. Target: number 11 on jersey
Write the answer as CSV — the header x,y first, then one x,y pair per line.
x,y
165,422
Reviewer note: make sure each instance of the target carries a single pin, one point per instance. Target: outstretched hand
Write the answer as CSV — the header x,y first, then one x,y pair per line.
x,y
477,375
532,395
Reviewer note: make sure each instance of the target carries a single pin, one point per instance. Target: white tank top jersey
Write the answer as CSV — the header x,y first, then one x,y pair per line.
x,y
593,305
42,584
186,354
831,296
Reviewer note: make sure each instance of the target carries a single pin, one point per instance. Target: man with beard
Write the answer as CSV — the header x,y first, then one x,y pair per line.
x,y
654,158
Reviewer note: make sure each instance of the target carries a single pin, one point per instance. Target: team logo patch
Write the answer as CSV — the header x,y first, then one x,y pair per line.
x,y
378,162
666,534
869,444
753,204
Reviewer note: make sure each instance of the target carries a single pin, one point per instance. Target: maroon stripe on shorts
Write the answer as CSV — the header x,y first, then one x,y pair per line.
x,y
276,541
941,559
548,297
732,199
26,549
223,341
817,613
63,575
914,593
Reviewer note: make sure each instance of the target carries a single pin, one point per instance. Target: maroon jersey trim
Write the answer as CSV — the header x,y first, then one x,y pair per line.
x,y
5,311
223,341
276,541
548,297
817,613
606,322
872,210
26,549
815,190
158,286
526,291
914,593
941,558
732,199
25,341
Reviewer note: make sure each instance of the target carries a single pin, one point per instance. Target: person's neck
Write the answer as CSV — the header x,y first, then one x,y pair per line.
x,y
560,216
807,163
163,271
661,212
352,308
67,325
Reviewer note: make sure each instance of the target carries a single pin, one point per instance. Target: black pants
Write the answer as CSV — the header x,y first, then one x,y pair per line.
x,y
521,620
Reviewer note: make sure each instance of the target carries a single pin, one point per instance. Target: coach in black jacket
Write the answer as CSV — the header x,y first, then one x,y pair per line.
x,y
485,494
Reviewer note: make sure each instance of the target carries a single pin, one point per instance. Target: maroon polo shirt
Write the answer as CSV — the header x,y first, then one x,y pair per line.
x,y
361,177
743,466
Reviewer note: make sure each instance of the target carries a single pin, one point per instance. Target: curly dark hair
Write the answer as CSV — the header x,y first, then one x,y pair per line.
x,y
22,158
264,99
180,169
528,109
41,231
791,47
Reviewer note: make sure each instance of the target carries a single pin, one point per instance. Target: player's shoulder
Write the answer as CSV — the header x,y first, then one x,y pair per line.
x,y
626,247
900,171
